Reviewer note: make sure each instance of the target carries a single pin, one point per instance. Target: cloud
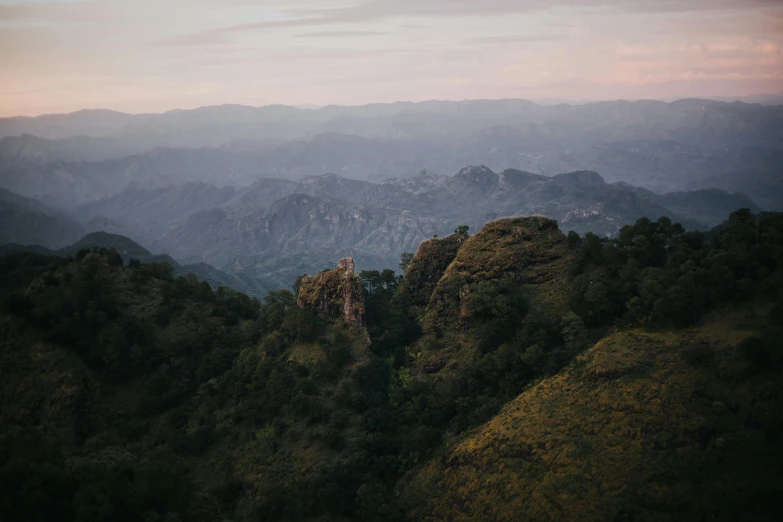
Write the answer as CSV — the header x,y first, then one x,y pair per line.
x,y
376,10
194,39
76,11
516,38
410,11
694,6
722,24
340,34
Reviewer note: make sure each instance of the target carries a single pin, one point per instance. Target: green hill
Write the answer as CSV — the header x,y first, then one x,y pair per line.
x,y
680,425
517,373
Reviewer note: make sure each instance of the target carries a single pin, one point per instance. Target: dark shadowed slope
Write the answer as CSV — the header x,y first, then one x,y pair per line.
x,y
27,221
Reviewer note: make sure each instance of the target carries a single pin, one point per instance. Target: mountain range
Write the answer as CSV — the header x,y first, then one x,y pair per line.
x,y
683,145
272,230
268,193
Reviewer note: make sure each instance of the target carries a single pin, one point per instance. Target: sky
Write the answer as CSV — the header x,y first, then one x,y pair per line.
x,y
157,55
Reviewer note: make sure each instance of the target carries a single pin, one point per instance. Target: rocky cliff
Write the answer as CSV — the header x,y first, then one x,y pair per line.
x,y
334,293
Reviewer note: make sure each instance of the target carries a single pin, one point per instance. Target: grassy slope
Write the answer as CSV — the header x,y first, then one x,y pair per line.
x,y
629,431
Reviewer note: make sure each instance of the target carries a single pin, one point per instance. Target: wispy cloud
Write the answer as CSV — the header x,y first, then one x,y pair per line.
x,y
373,11
64,12
693,6
516,38
341,34
377,10
210,38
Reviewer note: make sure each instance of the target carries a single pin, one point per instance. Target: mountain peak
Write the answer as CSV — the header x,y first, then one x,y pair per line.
x,y
329,176
528,251
346,264
334,293
582,178
475,174
474,171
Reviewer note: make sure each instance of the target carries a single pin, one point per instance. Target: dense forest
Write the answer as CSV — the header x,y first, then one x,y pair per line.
x,y
131,394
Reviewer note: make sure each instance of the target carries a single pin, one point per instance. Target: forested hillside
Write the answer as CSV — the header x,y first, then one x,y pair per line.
x,y
514,372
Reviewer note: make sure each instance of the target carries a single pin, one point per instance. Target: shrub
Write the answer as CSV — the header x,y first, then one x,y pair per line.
x,y
698,354
755,352
334,439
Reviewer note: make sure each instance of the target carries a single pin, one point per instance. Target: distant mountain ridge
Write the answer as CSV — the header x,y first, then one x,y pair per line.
x,y
31,148
688,144
68,183
128,249
272,230
104,122
296,234
322,219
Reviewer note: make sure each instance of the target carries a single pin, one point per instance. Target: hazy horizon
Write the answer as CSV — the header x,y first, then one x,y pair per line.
x,y
314,107
59,56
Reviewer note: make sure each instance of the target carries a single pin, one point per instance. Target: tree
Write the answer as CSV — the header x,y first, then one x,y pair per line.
x,y
372,502
597,301
592,249
33,474
462,230
574,332
405,260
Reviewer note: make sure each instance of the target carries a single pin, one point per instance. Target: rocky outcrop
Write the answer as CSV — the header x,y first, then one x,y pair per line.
x,y
346,264
334,293
582,213
427,267
529,254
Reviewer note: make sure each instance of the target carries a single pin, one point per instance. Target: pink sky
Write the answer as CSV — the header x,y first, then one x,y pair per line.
x,y
152,56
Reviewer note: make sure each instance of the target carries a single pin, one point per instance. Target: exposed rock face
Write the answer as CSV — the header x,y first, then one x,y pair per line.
x,y
346,264
582,213
334,293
